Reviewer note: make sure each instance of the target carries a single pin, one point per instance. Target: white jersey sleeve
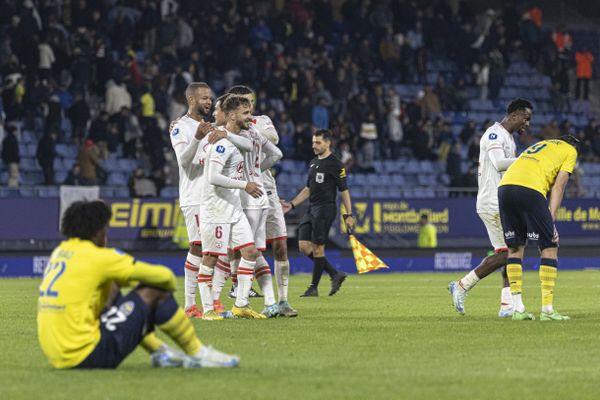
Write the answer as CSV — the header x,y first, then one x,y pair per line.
x,y
496,138
190,172
266,128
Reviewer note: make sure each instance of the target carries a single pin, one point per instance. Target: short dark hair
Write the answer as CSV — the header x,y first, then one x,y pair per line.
x,y
518,104
425,217
240,90
232,103
325,133
572,140
84,219
192,87
222,98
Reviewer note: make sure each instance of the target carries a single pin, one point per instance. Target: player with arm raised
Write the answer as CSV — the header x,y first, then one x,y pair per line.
x,y
186,134
223,222
497,152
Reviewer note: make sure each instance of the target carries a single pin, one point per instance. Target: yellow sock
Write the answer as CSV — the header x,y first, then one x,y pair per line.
x,y
514,270
151,343
548,273
180,329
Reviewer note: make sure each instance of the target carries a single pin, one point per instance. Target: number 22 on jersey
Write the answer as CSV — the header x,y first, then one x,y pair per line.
x,y
53,272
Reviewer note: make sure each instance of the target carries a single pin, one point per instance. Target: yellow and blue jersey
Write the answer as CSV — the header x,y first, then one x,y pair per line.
x,y
76,284
537,167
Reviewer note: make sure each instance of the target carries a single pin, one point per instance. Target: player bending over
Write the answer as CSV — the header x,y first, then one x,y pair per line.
x,y
84,322
527,215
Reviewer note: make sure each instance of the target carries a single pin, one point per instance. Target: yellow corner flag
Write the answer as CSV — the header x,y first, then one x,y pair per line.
x,y
365,259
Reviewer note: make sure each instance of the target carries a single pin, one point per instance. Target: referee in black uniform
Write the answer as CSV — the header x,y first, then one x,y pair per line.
x,y
326,176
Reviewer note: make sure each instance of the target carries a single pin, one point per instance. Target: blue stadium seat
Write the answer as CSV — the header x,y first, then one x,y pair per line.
x,y
47,191
60,176
106,192
28,164
121,192
169,191
116,179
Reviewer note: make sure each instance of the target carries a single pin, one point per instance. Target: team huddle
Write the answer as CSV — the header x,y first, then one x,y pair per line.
x,y
230,204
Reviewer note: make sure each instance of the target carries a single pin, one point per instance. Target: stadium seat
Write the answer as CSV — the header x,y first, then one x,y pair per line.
x,y
116,179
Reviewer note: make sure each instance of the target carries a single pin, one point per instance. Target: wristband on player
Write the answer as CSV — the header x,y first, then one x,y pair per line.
x,y
292,205
347,216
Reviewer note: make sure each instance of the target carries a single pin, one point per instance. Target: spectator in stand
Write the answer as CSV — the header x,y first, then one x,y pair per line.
x,y
10,156
117,97
431,104
89,162
140,185
369,151
320,115
468,132
47,59
584,60
74,177
79,114
550,130
346,156
130,130
45,154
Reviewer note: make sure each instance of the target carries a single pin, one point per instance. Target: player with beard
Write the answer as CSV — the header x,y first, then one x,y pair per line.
x,y
497,153
326,177
186,134
223,222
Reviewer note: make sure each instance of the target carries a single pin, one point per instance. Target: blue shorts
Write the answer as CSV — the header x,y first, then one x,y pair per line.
x,y
525,217
122,328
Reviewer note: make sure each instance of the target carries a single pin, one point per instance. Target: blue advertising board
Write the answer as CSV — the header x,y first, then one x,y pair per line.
x,y
152,219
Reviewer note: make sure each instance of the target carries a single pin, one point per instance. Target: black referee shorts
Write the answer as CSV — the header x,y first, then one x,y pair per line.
x,y
314,226
525,217
122,328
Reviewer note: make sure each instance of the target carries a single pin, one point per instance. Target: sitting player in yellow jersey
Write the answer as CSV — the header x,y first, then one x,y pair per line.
x,y
526,215
84,322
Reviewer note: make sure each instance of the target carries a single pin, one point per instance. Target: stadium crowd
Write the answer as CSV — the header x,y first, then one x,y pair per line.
x,y
110,75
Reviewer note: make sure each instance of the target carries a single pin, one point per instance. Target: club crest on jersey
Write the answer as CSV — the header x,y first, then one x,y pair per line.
x,y
320,178
127,308
493,136
175,132
220,149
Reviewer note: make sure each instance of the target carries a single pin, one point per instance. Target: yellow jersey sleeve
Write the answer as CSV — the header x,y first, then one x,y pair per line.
x,y
570,160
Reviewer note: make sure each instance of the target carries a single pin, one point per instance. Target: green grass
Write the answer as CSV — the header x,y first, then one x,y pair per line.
x,y
389,336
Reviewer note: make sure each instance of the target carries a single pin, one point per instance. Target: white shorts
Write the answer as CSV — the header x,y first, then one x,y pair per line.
x,y
191,215
218,237
257,218
276,229
494,229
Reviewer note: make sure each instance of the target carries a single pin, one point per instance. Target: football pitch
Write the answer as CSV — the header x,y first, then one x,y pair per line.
x,y
384,336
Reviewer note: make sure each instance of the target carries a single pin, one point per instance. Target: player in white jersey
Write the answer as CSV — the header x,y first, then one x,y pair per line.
x,y
224,225
186,134
497,151
274,227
